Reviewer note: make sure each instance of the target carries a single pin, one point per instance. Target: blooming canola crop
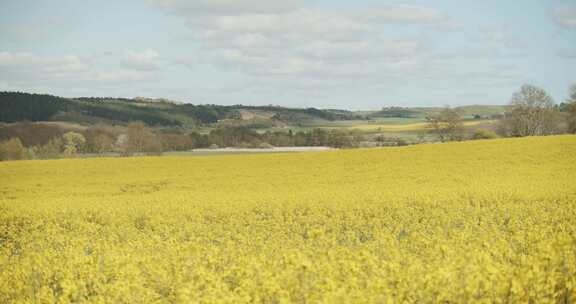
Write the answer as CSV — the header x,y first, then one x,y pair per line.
x,y
481,221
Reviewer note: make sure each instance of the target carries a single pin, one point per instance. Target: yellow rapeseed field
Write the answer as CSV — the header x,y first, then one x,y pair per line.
x,y
472,222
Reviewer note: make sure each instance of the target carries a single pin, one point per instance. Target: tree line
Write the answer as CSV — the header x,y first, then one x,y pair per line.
x,y
26,140
531,112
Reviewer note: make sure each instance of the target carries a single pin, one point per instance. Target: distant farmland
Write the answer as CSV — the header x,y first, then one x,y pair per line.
x,y
418,126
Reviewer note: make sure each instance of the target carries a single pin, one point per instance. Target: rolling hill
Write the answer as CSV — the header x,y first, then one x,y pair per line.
x,y
17,106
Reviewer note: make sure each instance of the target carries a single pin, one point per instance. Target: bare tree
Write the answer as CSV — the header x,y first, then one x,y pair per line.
x,y
103,143
136,136
142,139
447,124
571,110
100,138
531,113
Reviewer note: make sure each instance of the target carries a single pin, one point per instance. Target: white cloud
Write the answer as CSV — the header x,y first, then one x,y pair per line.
x,y
68,64
403,14
146,60
27,68
566,16
359,51
228,7
302,21
124,75
567,53
311,42
52,64
15,58
330,48
499,36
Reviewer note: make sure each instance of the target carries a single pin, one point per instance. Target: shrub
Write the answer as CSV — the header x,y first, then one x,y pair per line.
x,y
12,149
73,143
51,150
484,134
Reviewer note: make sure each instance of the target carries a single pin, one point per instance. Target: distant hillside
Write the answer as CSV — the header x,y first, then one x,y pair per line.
x,y
485,111
482,110
17,106
398,112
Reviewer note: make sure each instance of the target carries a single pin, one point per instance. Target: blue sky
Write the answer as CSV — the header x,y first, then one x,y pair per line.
x,y
329,54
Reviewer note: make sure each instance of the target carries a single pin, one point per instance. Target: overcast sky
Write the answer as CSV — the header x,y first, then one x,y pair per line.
x,y
330,54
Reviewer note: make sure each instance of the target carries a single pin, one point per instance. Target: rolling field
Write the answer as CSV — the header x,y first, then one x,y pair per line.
x,y
415,126
481,221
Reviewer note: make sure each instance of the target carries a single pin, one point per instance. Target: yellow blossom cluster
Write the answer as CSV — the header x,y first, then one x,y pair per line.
x,y
472,222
